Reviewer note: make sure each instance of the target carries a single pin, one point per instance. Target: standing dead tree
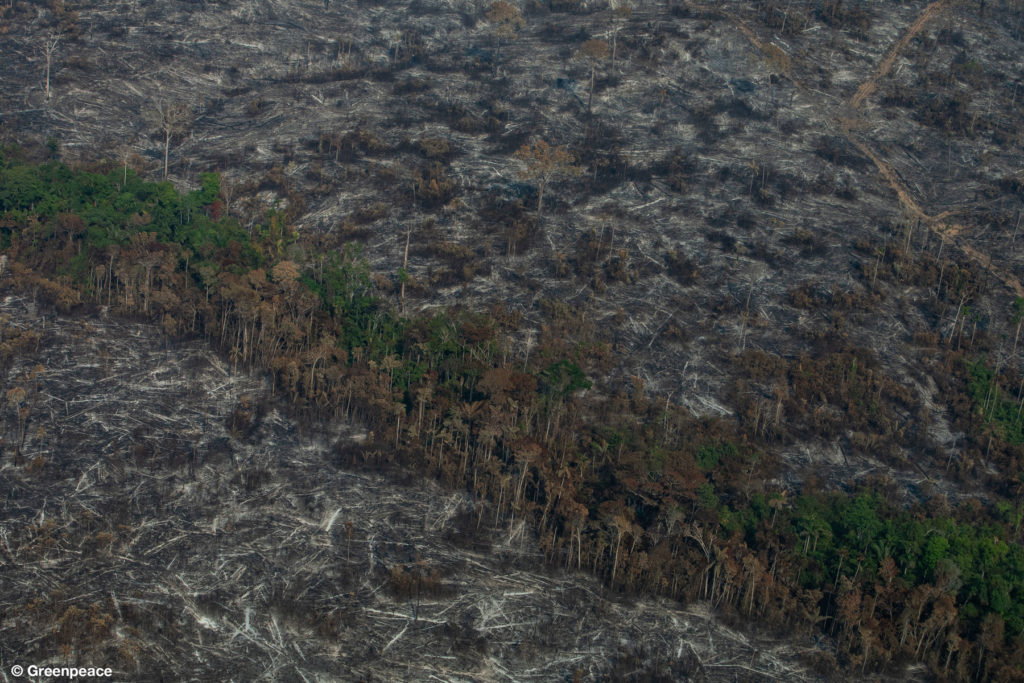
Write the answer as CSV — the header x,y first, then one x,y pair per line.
x,y
543,164
622,14
50,44
129,158
172,119
593,52
506,20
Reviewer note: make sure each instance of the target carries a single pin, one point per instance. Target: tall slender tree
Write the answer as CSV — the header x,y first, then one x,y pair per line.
x,y
50,44
593,52
545,163
171,119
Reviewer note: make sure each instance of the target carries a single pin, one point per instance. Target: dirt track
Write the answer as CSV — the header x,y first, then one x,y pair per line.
x,y
868,87
939,223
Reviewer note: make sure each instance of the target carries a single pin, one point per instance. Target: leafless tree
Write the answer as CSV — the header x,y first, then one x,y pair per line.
x,y
593,52
126,153
172,119
49,48
622,14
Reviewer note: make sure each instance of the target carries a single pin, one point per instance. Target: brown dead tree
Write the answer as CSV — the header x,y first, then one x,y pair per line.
x,y
543,164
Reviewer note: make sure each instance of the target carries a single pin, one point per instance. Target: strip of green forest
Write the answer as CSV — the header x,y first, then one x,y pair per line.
x,y
627,486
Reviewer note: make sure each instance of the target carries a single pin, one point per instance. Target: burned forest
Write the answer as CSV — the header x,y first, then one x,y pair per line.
x,y
528,341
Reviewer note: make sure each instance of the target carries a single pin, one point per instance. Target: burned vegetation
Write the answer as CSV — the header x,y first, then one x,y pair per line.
x,y
717,303
163,511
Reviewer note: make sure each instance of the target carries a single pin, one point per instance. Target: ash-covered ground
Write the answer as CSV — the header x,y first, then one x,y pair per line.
x,y
163,517
733,152
762,176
